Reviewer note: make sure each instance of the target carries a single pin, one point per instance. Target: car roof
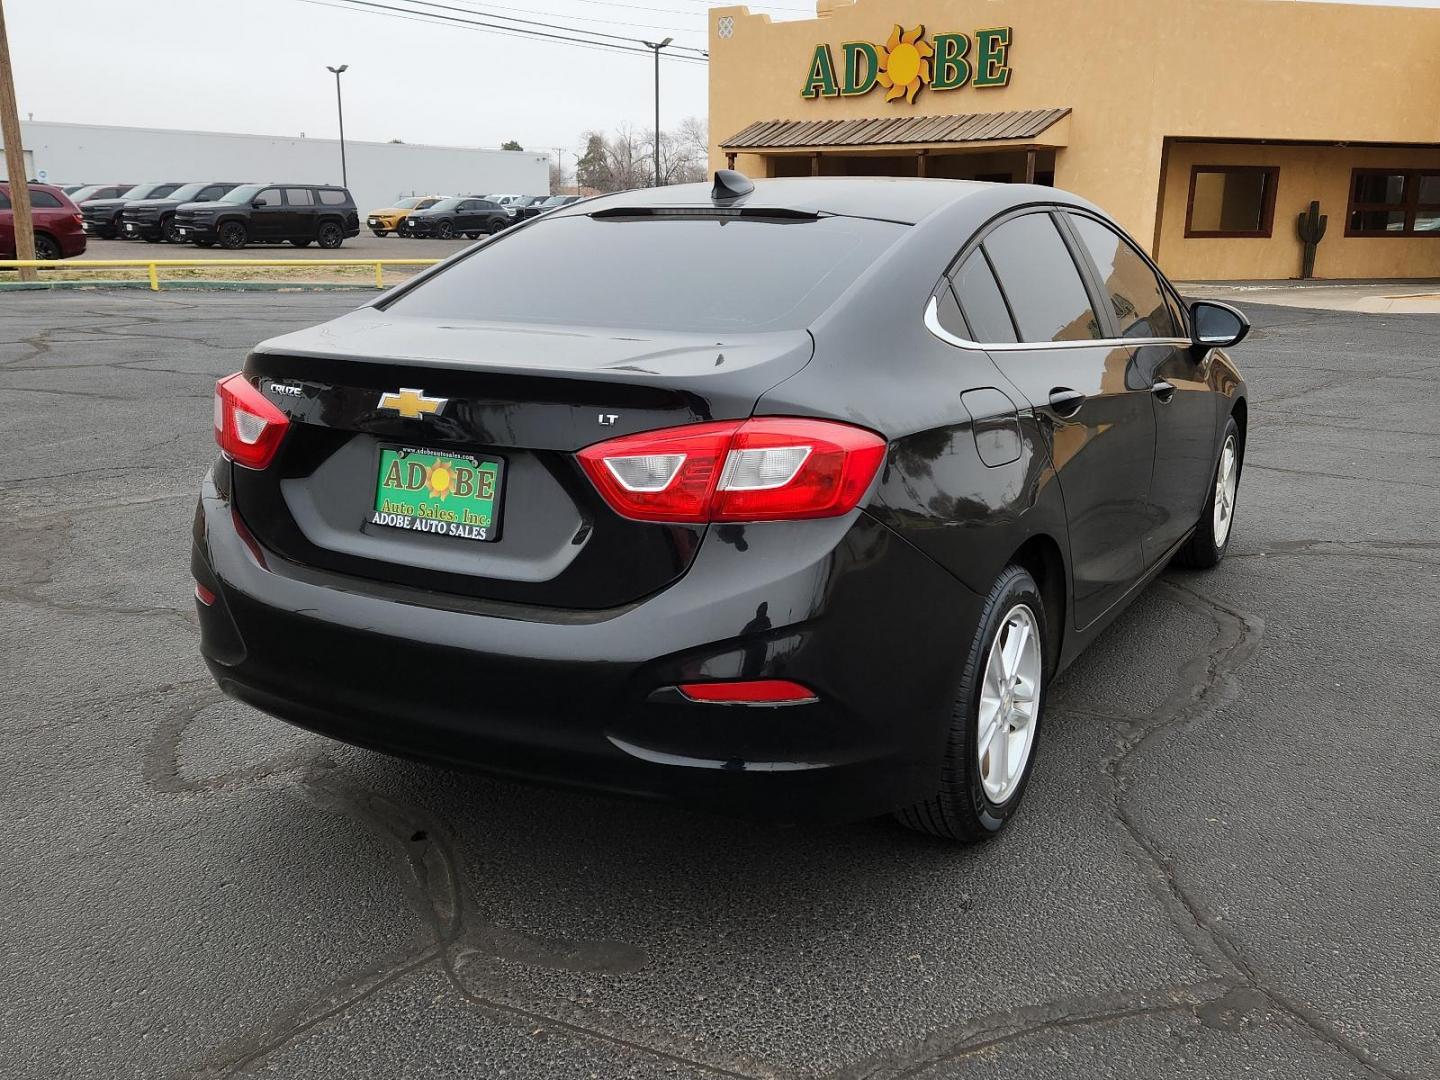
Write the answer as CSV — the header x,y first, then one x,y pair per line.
x,y
902,199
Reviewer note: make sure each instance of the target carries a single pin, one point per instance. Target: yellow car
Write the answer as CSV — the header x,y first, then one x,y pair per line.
x,y
390,219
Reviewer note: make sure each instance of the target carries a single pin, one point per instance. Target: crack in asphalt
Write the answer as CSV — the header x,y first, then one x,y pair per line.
x,y
434,887
1204,684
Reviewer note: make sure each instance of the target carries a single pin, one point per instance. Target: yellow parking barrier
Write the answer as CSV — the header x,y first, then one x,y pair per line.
x,y
152,266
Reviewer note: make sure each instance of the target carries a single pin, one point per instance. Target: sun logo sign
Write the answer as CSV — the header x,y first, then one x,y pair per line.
x,y
907,63
904,63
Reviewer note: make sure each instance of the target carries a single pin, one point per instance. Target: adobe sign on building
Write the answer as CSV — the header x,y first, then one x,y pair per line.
x,y
1180,117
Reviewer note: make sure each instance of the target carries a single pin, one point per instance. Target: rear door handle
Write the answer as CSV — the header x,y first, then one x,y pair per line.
x,y
1066,402
1163,390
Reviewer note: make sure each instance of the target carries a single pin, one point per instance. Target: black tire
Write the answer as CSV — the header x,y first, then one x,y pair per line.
x,y
379,232
961,809
444,229
1204,550
300,243
494,227
46,247
472,236
168,230
233,234
329,235
204,243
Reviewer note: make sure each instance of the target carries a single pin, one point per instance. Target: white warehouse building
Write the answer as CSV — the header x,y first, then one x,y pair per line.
x,y
379,173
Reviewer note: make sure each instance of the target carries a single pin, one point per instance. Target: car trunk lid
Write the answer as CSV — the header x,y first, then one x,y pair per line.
x,y
523,397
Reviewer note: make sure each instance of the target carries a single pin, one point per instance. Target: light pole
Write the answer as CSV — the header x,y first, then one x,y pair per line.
x,y
655,47
340,108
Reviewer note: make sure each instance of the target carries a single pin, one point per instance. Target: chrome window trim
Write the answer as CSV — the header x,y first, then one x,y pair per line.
x,y
932,323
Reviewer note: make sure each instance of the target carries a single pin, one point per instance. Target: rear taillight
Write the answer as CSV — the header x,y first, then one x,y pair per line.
x,y
763,469
247,426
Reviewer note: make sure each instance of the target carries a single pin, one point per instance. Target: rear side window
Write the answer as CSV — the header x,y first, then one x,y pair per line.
x,y
1134,292
44,200
210,194
1041,281
704,274
299,196
980,301
331,197
4,200
163,190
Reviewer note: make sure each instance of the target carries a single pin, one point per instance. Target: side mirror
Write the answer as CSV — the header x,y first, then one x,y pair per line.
x,y
259,202
1216,326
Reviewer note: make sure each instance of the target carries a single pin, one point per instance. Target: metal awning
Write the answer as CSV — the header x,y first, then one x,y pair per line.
x,y
1021,125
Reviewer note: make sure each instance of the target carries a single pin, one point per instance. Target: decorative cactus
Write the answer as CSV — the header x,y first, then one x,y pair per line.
x,y
1311,228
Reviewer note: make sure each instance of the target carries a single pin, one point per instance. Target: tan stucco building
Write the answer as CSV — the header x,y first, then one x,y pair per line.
x,y
1206,127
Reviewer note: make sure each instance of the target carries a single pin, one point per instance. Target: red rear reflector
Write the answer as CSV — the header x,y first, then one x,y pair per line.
x,y
247,426
762,469
204,595
753,692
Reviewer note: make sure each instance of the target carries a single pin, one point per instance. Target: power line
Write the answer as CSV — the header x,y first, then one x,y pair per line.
x,y
592,40
425,19
580,18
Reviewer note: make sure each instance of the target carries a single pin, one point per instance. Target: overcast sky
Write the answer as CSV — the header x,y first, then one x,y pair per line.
x,y
259,66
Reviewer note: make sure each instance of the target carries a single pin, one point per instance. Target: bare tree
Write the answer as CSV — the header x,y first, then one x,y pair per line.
x,y
625,159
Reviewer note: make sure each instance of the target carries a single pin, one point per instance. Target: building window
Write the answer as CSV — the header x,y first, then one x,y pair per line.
x,y
1393,202
1231,200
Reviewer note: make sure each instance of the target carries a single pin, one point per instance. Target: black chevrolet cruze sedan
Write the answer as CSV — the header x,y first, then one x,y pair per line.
x,y
787,498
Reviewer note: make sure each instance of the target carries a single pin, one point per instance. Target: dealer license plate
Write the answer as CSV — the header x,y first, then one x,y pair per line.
x,y
438,492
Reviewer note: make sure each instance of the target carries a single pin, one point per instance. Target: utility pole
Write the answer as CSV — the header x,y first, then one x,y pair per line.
x,y
15,157
559,167
655,47
340,108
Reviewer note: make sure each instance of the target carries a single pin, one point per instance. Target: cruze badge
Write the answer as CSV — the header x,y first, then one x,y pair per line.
x,y
408,401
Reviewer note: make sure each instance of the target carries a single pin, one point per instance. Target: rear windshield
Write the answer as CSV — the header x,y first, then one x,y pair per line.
x,y
668,273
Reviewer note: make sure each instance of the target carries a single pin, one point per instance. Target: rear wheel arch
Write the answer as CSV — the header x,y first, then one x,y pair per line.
x,y
1042,557
1241,412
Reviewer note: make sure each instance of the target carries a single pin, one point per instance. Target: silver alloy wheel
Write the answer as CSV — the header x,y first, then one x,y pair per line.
x,y
1227,477
1009,701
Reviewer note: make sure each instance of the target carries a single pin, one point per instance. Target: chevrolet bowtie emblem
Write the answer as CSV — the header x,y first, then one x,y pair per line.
x,y
408,401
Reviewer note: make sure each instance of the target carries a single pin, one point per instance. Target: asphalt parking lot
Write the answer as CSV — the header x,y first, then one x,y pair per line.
x,y
364,246
1226,865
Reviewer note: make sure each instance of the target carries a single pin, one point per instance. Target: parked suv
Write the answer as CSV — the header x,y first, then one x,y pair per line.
x,y
58,234
153,220
544,206
451,217
271,214
86,192
102,216
390,218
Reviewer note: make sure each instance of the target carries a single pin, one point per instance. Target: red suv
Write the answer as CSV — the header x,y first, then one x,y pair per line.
x,y
58,232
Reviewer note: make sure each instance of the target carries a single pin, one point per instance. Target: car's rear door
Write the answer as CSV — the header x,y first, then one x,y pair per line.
x,y
1185,407
1023,296
300,216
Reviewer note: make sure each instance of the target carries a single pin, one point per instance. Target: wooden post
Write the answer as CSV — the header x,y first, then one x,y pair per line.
x,y
15,158
730,161
922,163
815,164
1030,166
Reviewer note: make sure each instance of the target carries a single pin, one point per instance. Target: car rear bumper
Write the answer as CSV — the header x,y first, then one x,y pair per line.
x,y
581,698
